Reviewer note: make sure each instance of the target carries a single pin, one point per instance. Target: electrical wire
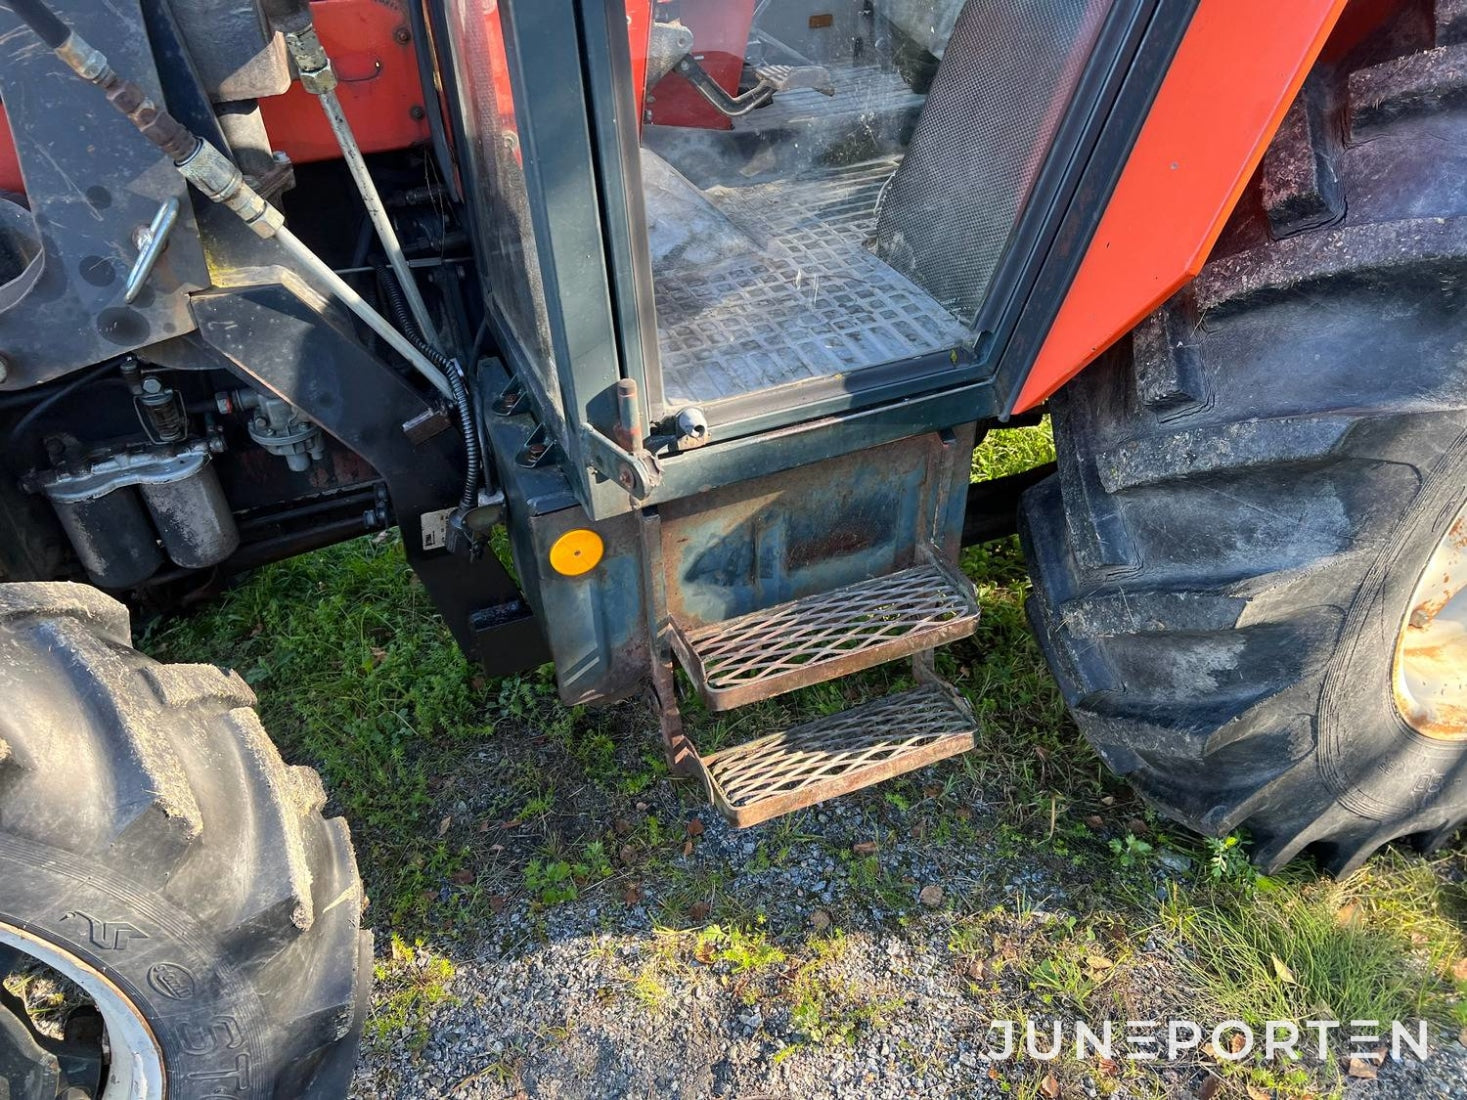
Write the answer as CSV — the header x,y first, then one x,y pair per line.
x,y
26,422
398,310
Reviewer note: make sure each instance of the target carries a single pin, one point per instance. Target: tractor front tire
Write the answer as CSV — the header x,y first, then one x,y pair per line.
x,y
156,851
1252,485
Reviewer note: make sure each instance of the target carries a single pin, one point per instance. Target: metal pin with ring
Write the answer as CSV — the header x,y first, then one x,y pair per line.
x,y
151,242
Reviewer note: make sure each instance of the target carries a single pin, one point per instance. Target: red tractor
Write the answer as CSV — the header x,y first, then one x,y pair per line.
x,y
664,331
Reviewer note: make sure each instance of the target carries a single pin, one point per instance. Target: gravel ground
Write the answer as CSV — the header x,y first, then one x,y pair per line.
x,y
590,998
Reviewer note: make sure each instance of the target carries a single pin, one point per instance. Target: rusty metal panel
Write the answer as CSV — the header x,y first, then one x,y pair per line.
x,y
770,540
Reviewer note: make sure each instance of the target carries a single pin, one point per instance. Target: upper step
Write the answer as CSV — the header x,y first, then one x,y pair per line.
x,y
827,635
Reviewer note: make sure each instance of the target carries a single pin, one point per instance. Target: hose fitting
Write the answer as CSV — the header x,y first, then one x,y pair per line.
x,y
317,75
220,179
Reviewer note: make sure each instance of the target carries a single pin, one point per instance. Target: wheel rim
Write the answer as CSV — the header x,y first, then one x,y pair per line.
x,y
135,1070
1430,673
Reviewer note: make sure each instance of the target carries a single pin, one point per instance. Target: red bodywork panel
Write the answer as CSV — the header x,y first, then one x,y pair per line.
x,y
720,35
1235,75
9,163
372,52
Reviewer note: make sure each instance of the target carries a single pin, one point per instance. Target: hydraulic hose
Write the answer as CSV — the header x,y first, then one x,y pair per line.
x,y
474,462
210,171
42,20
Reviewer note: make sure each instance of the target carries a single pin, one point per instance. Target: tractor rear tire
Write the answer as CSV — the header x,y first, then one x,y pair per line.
x,y
1251,485
153,844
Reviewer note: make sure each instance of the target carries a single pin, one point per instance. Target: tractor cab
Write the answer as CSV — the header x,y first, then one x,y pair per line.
x,y
757,273
806,207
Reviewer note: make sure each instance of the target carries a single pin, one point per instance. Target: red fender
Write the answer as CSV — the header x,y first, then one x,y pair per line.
x,y
1236,73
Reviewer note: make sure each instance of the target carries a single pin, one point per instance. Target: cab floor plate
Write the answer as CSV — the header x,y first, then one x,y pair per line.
x,y
808,300
804,298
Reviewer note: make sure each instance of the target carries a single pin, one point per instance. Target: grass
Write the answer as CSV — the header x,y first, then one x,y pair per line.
x,y
356,674
467,794
1377,946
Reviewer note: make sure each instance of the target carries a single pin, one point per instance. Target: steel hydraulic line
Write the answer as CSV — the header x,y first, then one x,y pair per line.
x,y
209,170
318,78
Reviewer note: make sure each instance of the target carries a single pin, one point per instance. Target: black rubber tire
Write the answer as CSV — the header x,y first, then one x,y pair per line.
x,y
149,828
1250,486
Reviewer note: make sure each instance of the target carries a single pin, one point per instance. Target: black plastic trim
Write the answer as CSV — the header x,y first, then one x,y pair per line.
x,y
1086,195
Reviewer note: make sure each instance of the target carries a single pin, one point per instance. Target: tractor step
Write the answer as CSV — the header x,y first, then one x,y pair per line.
x,y
828,635
837,754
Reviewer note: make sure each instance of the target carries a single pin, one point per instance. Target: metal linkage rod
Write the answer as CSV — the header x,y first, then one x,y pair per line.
x,y
209,170
339,287
318,78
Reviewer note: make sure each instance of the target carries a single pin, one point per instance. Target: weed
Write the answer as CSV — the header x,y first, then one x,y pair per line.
x,y
739,951
595,864
647,989
411,982
1227,860
1132,851
828,1009
552,882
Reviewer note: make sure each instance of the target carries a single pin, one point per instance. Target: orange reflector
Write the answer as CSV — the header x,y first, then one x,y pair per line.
x,y
576,552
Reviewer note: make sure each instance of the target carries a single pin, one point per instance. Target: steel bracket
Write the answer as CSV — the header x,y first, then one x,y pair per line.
x,y
639,474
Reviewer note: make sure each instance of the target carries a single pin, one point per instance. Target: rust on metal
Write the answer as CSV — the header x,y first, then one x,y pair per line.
x,y
821,637
682,757
837,754
1429,670
776,538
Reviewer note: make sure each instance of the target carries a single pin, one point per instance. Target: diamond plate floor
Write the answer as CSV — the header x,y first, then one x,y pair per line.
x,y
805,298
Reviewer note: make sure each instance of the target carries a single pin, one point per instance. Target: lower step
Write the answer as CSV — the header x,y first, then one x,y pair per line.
x,y
837,754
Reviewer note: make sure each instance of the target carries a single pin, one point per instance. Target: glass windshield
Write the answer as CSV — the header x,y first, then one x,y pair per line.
x,y
830,184
507,240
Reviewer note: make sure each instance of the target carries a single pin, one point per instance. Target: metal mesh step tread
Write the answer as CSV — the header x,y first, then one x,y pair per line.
x,y
831,634
837,754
